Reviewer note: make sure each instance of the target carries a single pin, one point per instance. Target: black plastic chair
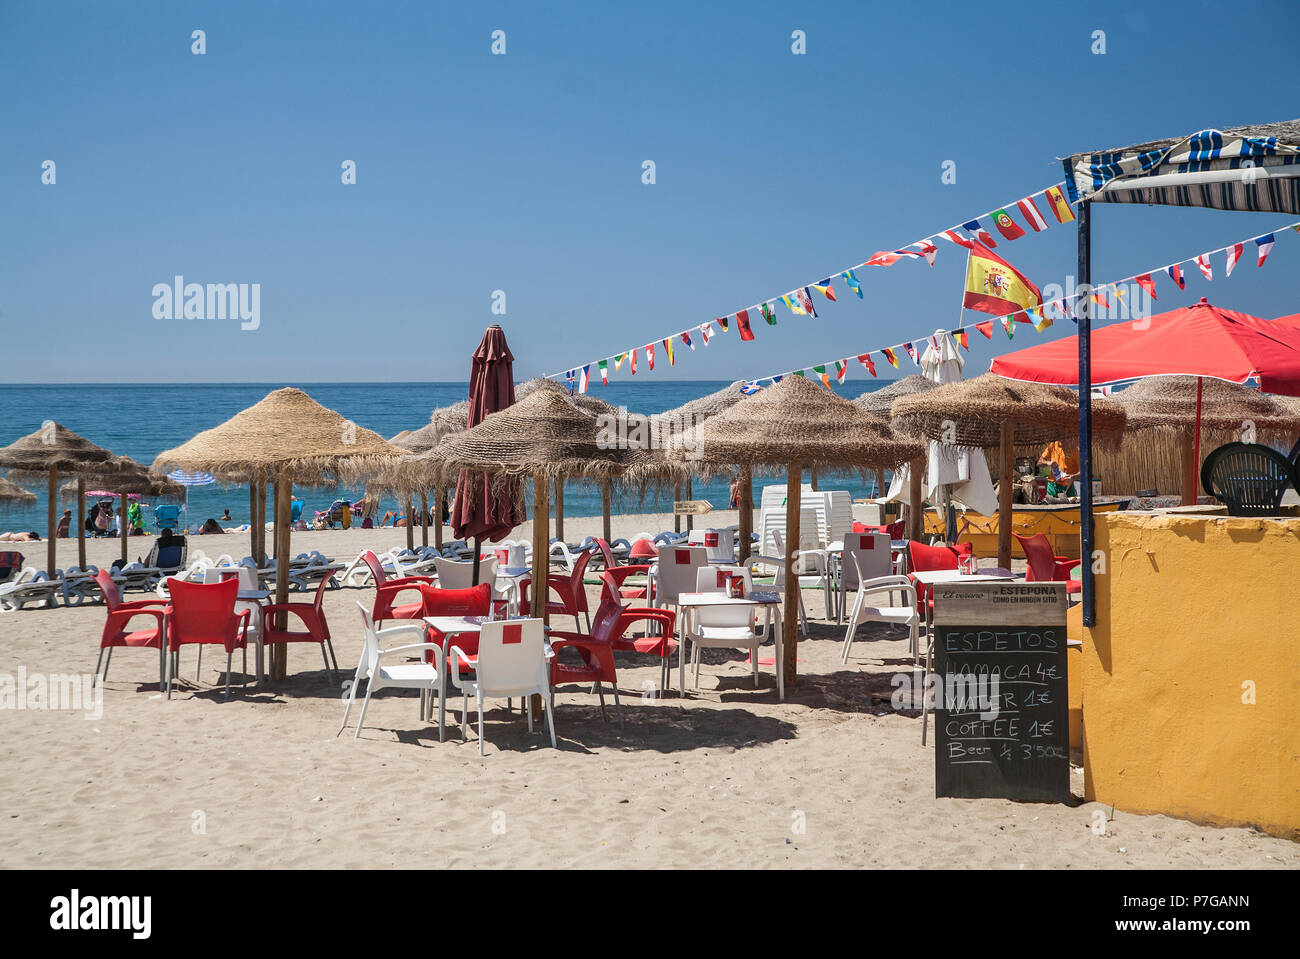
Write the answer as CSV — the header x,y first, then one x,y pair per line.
x,y
1249,478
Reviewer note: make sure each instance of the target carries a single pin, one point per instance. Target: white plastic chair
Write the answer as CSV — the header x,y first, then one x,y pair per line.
x,y
426,677
776,569
720,543
512,661
817,560
454,574
905,615
731,627
871,554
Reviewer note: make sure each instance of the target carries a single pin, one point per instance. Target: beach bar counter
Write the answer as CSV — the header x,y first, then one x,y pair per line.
x,y
1191,677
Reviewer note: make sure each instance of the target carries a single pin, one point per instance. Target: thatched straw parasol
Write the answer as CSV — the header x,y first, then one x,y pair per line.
x,y
1183,407
50,449
126,476
286,437
879,402
990,411
13,494
797,423
544,435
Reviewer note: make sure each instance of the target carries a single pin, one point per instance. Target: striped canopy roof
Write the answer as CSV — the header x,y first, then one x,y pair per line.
x,y
1274,148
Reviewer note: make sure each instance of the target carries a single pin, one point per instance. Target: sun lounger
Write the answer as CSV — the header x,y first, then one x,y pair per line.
x,y
30,586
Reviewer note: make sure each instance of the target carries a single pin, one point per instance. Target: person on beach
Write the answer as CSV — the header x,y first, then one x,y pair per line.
x,y
211,526
733,496
135,519
32,537
1063,466
65,525
226,517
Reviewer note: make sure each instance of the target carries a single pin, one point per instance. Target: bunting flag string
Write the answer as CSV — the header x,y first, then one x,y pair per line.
x,y
1035,315
800,300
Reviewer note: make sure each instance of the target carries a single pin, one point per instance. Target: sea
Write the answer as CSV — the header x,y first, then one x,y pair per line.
x,y
141,420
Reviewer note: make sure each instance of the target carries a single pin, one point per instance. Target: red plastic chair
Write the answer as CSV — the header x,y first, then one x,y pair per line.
x,y
203,614
116,632
928,558
571,593
387,590
608,635
1045,566
622,573
474,601
312,616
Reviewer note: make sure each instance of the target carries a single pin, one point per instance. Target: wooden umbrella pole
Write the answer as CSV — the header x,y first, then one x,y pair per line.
x,y
541,557
122,523
812,479
915,507
81,522
261,522
410,523
604,509
677,520
881,488
790,616
283,492
437,522
746,511
50,511
1006,470
252,520
690,492
424,519
559,509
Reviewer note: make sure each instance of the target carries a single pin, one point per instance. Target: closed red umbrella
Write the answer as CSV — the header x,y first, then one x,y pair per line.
x,y
1199,340
482,512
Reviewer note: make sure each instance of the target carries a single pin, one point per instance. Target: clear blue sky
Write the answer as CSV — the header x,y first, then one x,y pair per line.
x,y
523,173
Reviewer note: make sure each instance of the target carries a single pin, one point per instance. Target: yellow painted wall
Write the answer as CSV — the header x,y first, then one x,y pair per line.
x,y
1190,609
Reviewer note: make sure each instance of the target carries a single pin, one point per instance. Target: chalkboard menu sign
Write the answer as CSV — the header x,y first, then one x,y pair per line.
x,y
1001,706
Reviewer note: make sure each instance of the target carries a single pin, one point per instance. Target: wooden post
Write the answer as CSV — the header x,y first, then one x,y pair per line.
x,y
1006,470
410,523
424,519
690,493
1189,474
604,508
541,558
746,481
915,506
881,488
252,520
1194,483
283,493
559,509
812,479
677,520
790,616
51,509
261,522
438,500
81,522
123,503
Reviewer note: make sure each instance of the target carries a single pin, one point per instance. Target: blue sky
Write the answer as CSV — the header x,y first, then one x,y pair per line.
x,y
522,173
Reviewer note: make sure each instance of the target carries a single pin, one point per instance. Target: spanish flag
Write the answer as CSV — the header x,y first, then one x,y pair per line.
x,y
1060,206
995,286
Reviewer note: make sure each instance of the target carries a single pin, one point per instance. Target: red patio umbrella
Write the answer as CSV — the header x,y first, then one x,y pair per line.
x,y
482,512
1199,340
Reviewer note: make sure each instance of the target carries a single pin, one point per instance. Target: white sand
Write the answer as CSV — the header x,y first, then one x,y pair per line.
x,y
728,777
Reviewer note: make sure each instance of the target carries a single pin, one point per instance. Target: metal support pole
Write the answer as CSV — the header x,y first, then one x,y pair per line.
x,y
1084,281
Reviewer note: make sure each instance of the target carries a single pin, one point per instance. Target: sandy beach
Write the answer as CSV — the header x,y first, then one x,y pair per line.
x,y
728,777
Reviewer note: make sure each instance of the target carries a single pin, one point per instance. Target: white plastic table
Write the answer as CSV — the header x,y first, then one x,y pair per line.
x,y
690,601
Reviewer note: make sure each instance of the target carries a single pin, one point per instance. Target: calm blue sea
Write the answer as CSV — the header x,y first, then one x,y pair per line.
x,y
141,420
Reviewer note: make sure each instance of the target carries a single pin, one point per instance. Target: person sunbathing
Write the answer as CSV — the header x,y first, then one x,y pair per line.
x,y
31,537
211,526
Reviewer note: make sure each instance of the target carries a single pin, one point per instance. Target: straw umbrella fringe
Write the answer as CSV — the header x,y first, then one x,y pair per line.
x,y
284,438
